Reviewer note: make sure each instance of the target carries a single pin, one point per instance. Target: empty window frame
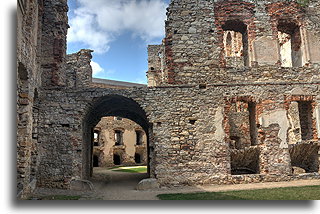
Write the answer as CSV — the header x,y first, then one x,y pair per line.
x,y
137,158
305,117
252,122
95,161
118,136
236,40
243,124
290,44
117,159
139,137
96,136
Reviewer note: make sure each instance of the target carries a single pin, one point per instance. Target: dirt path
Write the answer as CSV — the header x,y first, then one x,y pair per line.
x,y
118,185
111,185
121,186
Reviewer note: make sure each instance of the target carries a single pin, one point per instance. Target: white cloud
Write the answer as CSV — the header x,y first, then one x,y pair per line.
x,y
96,68
97,22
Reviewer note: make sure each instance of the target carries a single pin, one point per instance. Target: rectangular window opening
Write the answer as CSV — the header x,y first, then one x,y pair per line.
x,y
139,137
253,123
290,44
305,117
96,136
118,135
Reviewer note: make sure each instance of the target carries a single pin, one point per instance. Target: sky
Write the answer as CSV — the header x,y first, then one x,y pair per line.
x,y
119,32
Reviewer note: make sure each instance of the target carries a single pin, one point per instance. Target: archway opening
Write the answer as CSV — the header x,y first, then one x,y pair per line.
x,y
124,131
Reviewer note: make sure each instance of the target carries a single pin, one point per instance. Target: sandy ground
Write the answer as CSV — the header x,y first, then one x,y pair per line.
x,y
111,185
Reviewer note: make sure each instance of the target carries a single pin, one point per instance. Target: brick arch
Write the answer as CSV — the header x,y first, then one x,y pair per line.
x,y
110,105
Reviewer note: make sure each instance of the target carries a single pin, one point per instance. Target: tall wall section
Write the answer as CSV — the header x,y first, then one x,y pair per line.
x,y
196,49
28,69
198,134
41,42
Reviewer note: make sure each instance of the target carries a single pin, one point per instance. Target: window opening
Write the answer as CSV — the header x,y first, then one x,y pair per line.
x,y
96,136
236,40
305,117
116,159
139,135
253,123
118,135
95,161
290,44
137,158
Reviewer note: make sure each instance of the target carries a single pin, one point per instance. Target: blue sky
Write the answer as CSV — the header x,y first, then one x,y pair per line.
x,y
119,32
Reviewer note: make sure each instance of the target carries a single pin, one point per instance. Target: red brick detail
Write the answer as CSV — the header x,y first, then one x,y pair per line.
x,y
290,11
228,103
309,98
233,10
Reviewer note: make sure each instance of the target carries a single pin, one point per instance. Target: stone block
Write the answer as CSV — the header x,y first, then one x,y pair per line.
x,y
266,51
81,185
314,46
298,170
149,183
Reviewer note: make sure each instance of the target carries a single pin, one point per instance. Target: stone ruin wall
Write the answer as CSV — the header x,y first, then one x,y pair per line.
x,y
105,146
28,30
195,51
192,113
190,136
41,43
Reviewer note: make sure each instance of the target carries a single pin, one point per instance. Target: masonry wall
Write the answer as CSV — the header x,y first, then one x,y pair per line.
x,y
190,140
194,42
28,70
41,34
191,118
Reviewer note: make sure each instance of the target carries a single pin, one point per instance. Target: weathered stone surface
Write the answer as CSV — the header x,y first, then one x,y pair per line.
x,y
81,185
266,51
148,184
314,44
297,170
205,115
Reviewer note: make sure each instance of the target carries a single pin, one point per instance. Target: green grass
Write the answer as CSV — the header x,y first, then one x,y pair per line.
x,y
138,169
286,193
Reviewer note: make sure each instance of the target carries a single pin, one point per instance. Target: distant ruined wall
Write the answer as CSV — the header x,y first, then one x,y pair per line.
x,y
126,145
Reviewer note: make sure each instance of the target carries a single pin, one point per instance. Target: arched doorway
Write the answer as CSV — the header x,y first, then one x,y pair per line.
x,y
115,106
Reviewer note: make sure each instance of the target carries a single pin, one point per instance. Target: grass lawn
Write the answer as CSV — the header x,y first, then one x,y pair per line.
x,y
286,193
132,169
